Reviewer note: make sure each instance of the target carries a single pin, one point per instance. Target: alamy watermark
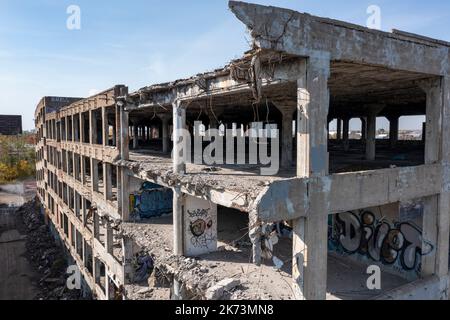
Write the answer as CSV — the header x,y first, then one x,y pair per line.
x,y
73,281
374,281
257,146
73,21
374,19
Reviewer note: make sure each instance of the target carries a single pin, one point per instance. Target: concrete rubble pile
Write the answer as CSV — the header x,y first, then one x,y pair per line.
x,y
46,256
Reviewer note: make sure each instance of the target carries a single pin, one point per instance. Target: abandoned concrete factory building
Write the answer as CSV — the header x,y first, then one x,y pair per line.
x,y
127,212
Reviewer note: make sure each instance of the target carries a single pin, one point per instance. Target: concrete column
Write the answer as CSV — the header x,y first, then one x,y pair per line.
x,y
82,170
72,119
338,129
105,129
345,134
436,218
363,129
205,215
76,126
124,193
179,150
393,130
94,175
81,123
165,134
107,181
371,137
83,211
135,137
92,127
310,235
124,136
117,125
96,230
109,242
178,216
287,140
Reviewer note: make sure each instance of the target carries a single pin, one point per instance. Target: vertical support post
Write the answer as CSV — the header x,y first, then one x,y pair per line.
x,y
345,135
371,136
178,213
109,239
105,129
393,130
82,170
81,129
93,127
124,194
94,175
179,143
135,136
124,134
287,140
363,129
165,134
310,251
338,129
107,181
436,218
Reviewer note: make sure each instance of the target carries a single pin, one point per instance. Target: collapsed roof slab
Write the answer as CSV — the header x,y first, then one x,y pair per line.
x,y
305,35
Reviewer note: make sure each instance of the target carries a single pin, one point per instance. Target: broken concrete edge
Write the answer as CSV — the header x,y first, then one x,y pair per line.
x,y
188,272
293,32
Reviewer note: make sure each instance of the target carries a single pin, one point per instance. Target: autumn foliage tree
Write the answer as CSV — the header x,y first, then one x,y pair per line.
x,y
17,158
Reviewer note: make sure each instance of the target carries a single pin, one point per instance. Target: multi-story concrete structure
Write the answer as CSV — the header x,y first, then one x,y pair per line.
x,y
105,171
10,125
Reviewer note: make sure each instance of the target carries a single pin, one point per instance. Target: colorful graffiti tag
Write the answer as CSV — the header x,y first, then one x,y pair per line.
x,y
151,201
200,226
381,241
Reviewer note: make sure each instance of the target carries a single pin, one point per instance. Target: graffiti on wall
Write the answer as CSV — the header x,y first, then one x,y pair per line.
x,y
151,201
201,227
381,241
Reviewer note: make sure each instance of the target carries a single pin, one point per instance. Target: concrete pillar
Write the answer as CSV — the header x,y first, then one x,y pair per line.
x,y
107,181
96,223
179,150
72,119
338,129
371,137
310,235
124,193
165,134
82,170
199,226
76,127
105,129
109,239
94,175
135,137
178,216
345,134
436,218
93,127
124,136
393,130
81,123
83,211
363,129
287,140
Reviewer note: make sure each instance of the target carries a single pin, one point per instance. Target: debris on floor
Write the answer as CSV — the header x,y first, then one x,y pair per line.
x,y
46,256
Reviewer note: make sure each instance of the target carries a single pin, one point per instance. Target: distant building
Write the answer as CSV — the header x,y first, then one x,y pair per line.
x,y
10,125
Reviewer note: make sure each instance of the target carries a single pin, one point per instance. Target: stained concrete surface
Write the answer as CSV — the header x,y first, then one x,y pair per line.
x,y
346,279
17,277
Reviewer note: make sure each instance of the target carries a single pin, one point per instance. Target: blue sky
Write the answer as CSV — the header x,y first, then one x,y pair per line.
x,y
141,42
